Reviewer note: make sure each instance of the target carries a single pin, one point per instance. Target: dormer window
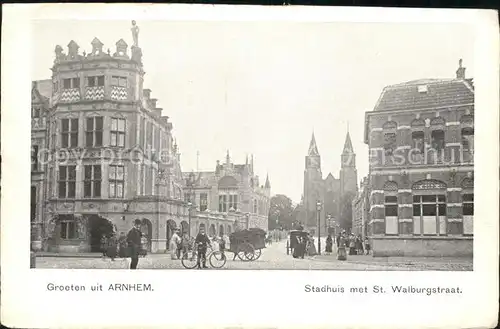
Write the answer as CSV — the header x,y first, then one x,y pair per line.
x,y
422,88
71,83
95,81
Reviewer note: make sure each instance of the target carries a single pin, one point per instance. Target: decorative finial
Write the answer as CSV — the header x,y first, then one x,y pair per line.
x,y
135,33
460,63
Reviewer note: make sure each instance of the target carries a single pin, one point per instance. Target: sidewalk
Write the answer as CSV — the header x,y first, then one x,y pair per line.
x,y
68,255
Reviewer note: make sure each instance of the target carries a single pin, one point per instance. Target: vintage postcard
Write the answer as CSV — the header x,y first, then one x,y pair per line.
x,y
344,158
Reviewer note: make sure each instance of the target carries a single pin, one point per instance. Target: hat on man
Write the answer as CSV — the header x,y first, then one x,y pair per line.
x,y
137,222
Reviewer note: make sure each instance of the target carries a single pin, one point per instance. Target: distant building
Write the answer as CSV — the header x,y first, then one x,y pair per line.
x,y
421,140
230,190
328,191
103,153
361,209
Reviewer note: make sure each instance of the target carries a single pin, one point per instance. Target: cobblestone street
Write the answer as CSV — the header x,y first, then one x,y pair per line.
x,y
274,257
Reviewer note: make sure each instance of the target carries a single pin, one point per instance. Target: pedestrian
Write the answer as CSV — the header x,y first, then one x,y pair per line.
x,y
367,246
112,247
103,246
352,245
359,245
341,251
184,247
329,244
202,243
134,243
174,242
222,246
311,248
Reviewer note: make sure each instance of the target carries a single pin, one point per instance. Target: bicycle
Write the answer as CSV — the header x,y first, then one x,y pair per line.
x,y
216,258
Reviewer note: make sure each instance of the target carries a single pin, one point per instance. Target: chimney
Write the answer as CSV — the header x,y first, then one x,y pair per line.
x,y
460,70
152,103
146,93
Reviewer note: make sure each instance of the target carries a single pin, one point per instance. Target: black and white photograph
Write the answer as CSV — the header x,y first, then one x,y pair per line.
x,y
252,146
249,166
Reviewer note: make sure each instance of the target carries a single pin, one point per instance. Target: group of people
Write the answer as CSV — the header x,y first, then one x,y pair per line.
x,y
114,246
304,246
355,244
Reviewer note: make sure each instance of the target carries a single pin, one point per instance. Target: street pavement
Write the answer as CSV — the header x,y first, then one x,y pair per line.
x,y
274,257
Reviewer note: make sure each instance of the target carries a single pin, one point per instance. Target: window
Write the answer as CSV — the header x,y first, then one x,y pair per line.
x,y
391,214
116,181
93,132
67,181
68,227
34,157
119,81
437,140
255,207
92,181
142,128
33,204
96,81
203,201
117,132
35,112
223,203
187,197
429,214
468,143
389,143
71,83
69,132
55,86
233,202
418,145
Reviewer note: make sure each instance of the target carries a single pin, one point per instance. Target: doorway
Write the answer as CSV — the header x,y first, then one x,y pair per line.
x,y
98,226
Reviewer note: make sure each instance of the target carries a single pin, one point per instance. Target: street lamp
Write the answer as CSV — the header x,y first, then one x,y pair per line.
x,y
190,184
247,215
329,222
318,208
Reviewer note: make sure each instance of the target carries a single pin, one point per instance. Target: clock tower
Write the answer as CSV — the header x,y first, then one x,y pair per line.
x,y
313,184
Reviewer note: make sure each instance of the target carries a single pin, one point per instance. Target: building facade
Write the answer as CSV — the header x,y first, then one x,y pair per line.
x,y
232,191
103,153
361,209
328,191
421,140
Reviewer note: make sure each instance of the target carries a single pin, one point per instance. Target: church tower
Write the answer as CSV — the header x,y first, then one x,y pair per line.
x,y
348,171
313,184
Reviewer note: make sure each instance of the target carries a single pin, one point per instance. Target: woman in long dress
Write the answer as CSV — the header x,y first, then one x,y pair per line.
x,y
175,240
311,249
329,244
341,252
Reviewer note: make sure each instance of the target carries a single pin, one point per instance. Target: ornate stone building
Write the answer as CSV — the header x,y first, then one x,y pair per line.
x,y
103,152
232,192
421,140
328,191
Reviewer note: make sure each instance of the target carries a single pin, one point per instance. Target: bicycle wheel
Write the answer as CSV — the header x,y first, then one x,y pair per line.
x,y
190,260
217,259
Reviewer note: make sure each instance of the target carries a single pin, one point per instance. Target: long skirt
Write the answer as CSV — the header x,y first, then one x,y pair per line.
x,y
173,250
341,253
352,251
328,247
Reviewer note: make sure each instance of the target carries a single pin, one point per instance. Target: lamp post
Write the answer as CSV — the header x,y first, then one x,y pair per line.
x,y
247,215
329,223
318,208
190,183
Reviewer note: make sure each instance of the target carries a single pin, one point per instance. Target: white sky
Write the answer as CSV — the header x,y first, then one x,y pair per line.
x,y
263,87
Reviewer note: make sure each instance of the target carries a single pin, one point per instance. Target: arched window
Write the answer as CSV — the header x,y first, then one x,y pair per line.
x,y
468,143
429,207
389,137
391,208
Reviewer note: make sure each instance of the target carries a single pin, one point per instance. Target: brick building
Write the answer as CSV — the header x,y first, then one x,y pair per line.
x,y
103,153
361,209
421,140
232,191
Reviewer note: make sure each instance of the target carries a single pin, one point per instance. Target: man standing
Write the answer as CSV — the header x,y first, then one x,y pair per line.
x,y
134,243
202,242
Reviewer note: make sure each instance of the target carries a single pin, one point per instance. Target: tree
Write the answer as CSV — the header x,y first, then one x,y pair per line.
x,y
281,212
346,211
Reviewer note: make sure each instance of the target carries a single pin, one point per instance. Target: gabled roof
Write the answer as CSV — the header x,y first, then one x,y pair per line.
x,y
313,148
348,144
437,93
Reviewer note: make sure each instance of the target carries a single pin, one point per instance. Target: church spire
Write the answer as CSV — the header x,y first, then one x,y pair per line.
x,y
313,148
348,144
267,185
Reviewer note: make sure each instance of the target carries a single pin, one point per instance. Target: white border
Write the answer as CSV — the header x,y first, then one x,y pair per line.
x,y
270,298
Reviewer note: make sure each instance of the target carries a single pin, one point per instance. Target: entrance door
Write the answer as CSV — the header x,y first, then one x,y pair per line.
x,y
98,226
147,230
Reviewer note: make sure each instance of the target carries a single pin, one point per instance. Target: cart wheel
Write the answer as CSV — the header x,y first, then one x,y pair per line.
x,y
217,259
257,253
189,260
246,252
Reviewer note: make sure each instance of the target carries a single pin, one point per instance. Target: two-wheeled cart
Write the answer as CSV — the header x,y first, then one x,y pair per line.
x,y
247,244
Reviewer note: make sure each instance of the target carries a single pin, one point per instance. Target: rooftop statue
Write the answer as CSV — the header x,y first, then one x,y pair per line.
x,y
135,33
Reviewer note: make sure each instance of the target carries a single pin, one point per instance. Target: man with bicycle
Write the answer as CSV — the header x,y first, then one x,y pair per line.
x,y
202,242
